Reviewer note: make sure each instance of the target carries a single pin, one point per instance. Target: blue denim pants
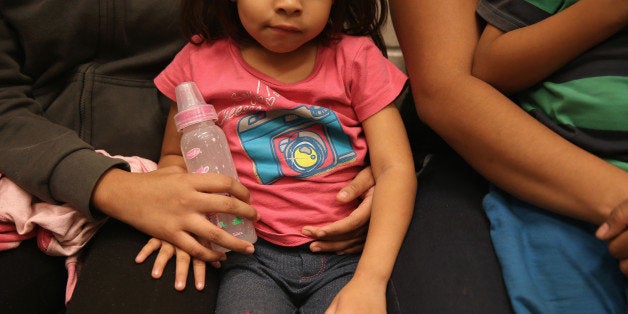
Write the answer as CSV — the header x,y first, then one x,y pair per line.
x,y
551,263
278,279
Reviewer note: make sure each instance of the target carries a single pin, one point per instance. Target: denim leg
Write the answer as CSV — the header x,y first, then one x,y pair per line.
x,y
323,285
282,280
551,263
248,285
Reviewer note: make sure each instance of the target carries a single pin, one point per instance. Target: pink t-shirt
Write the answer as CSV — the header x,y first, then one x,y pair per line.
x,y
294,145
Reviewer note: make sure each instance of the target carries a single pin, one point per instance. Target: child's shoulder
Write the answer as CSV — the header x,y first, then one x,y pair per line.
x,y
352,46
356,42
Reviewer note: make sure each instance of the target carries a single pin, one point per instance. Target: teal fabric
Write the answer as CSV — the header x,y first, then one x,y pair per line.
x,y
553,264
551,6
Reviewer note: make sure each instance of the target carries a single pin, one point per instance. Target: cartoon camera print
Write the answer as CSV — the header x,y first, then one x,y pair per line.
x,y
301,142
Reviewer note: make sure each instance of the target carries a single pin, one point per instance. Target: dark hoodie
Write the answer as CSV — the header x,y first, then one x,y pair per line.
x,y
77,76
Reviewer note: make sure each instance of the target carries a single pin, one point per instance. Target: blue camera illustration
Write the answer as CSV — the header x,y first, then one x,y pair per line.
x,y
301,142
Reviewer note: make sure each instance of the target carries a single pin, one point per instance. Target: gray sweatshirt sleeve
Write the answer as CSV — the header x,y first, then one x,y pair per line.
x,y
44,158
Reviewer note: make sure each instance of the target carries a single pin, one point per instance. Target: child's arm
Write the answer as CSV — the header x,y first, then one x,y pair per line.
x,y
393,201
520,58
171,144
171,158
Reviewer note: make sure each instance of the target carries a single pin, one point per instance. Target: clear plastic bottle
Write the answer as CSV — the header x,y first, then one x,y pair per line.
x,y
205,149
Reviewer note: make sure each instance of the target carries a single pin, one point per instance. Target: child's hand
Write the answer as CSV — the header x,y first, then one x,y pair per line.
x,y
166,251
359,297
615,231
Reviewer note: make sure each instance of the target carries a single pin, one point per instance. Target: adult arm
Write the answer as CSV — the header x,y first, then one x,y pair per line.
x,y
493,134
172,205
46,159
56,165
512,60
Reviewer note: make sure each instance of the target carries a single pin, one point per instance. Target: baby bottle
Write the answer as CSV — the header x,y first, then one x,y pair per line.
x,y
205,149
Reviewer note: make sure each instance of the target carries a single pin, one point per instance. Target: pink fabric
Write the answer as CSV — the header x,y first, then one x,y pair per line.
x,y
266,120
60,229
10,238
74,268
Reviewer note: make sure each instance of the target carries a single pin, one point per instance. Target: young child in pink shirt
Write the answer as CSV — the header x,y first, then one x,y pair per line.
x,y
305,97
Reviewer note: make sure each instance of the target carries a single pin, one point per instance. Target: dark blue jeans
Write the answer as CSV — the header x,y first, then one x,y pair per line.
x,y
447,264
552,263
278,280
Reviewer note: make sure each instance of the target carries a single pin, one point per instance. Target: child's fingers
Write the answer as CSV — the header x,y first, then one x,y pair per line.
x,y
181,269
151,246
164,255
199,273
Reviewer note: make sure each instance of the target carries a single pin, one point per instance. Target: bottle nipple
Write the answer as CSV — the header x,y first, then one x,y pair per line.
x,y
191,106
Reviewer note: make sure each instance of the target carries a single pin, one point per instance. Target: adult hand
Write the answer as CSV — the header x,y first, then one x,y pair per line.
x,y
172,205
346,235
615,231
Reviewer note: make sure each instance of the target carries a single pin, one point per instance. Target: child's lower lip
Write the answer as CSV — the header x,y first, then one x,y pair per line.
x,y
286,30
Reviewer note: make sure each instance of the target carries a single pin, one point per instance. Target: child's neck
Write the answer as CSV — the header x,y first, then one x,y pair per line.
x,y
289,67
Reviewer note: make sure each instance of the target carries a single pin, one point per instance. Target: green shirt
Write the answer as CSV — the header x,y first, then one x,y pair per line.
x,y
586,101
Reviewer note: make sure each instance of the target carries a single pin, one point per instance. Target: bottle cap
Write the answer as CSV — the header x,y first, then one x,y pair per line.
x,y
191,106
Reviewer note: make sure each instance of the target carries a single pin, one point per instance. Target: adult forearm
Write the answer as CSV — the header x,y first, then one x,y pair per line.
x,y
493,134
48,160
520,155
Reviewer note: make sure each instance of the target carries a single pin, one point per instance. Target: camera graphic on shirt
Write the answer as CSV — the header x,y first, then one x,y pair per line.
x,y
301,142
